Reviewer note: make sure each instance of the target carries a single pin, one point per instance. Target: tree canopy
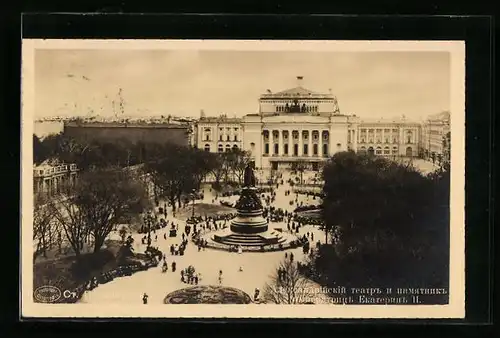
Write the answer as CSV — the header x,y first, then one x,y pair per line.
x,y
389,222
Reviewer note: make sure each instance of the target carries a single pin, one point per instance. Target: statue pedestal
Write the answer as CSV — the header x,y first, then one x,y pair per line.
x,y
249,228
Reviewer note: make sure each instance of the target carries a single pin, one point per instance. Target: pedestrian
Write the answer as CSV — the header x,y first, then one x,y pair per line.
x,y
145,299
256,295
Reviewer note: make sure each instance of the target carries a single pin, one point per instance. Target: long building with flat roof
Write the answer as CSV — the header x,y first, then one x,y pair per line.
x,y
134,132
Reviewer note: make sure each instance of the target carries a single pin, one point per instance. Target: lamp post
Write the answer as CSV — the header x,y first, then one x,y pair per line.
x,y
194,196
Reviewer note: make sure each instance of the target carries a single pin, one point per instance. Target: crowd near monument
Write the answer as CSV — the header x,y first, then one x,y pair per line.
x,y
249,229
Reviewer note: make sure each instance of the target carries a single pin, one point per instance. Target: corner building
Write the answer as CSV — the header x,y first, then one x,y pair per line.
x,y
301,126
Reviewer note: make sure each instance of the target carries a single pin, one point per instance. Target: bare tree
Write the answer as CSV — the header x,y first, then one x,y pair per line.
x,y
71,220
217,167
241,160
288,286
43,217
105,198
301,166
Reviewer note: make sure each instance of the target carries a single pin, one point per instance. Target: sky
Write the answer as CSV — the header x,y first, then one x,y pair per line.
x,y
184,82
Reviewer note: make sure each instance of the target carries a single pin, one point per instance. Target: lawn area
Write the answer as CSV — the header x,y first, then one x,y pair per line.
x,y
66,274
202,209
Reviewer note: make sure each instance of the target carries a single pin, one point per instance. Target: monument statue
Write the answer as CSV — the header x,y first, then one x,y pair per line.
x,y
249,177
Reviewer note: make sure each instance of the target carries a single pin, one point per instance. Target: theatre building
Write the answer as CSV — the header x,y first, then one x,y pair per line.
x,y
299,125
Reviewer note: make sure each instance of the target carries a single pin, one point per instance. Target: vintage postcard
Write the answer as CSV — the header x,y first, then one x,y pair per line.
x,y
243,179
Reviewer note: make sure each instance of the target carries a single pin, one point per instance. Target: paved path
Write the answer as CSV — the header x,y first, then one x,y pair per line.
x,y
257,267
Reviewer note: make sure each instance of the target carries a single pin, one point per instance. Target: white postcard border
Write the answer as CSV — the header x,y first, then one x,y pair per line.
x,y
456,306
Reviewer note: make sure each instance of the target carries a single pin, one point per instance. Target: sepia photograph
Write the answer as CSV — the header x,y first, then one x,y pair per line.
x,y
243,179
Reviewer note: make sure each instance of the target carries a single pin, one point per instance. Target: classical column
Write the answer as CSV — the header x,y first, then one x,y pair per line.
x,y
320,143
271,142
309,143
280,142
301,146
290,143
354,140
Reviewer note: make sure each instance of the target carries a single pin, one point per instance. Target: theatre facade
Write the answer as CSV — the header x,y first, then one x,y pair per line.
x,y
301,126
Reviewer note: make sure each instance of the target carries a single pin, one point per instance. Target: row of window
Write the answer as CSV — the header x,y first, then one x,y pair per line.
x,y
379,130
296,137
394,140
305,149
221,148
209,130
56,170
221,138
385,151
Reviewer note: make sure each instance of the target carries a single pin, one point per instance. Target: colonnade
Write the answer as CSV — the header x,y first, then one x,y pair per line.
x,y
298,142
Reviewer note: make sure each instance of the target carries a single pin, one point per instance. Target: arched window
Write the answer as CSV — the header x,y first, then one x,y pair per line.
x,y
228,148
207,147
252,145
235,146
409,152
387,151
378,151
370,151
220,149
207,130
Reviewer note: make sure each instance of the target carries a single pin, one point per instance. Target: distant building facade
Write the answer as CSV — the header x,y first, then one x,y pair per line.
x,y
179,134
299,125
51,177
395,138
434,135
219,134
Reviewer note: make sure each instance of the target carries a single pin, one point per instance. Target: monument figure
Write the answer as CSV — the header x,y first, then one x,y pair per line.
x,y
249,177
